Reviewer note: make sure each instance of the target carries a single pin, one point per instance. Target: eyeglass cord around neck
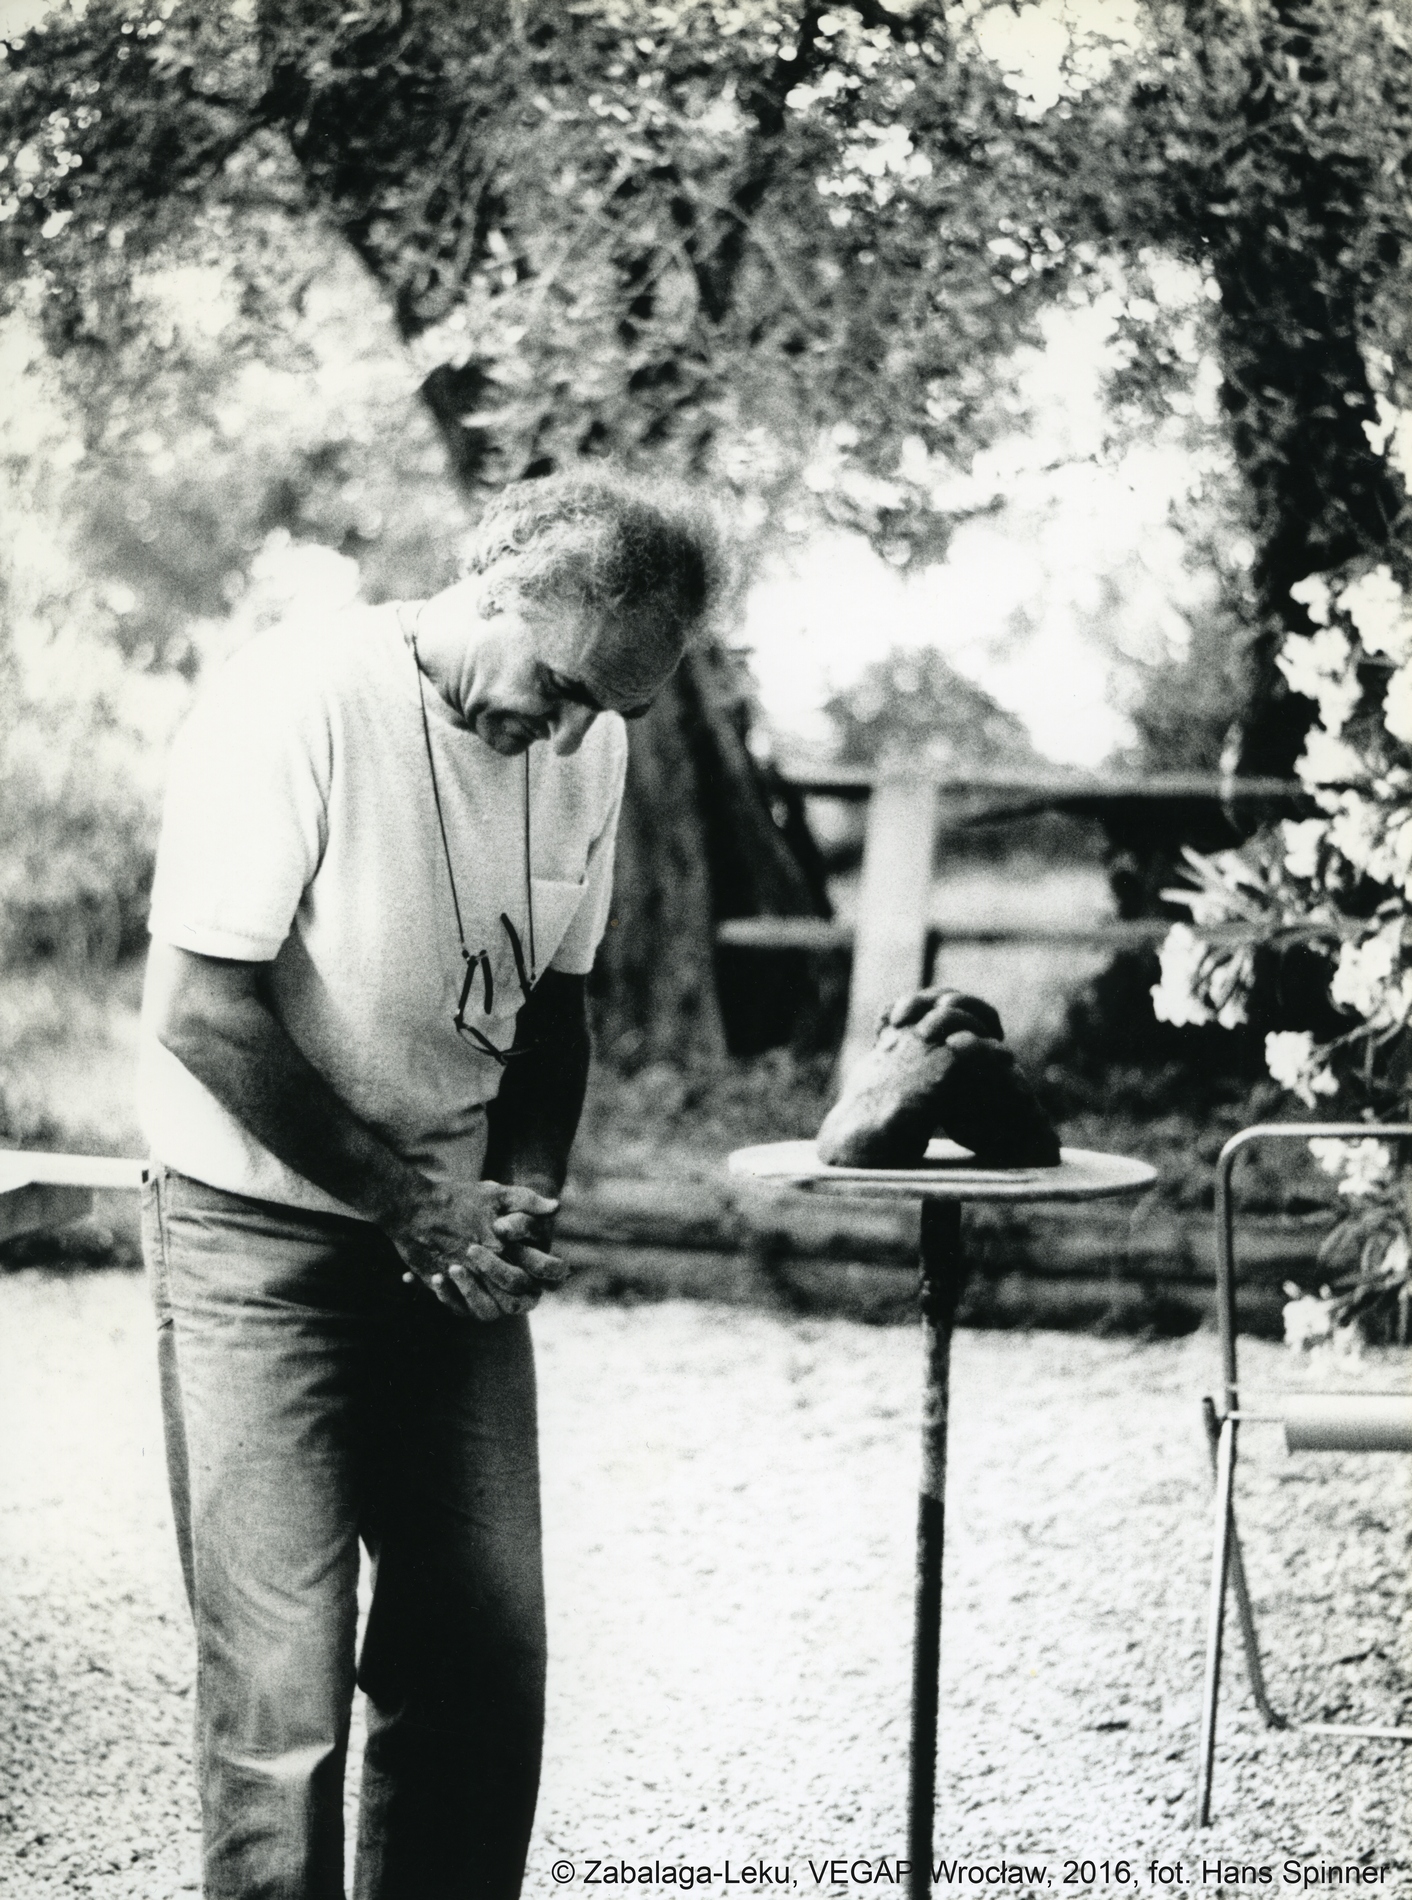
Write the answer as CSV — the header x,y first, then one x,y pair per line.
x,y
528,977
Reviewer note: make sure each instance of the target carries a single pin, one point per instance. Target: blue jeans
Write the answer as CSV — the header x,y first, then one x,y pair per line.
x,y
310,1399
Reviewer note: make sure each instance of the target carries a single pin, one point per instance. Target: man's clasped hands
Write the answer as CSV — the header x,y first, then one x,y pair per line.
x,y
481,1247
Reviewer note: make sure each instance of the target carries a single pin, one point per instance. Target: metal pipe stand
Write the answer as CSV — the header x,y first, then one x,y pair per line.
x,y
941,1279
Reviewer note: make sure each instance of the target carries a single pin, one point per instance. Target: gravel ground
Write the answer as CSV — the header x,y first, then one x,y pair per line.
x,y
729,1517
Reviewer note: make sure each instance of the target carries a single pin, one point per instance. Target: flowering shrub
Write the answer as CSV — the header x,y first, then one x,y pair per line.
x,y
1339,883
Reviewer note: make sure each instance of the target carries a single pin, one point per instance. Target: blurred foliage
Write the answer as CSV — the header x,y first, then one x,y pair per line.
x,y
781,245
80,738
66,1036
152,525
913,701
758,242
789,249
1183,718
913,704
1271,144
264,393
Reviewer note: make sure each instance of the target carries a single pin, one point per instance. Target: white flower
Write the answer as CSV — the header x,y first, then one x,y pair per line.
x,y
1307,659
1379,432
1394,1260
1207,907
1194,988
1338,700
1296,660
1318,666
1375,605
1175,997
1397,705
1346,1342
1303,837
1227,984
1312,593
1287,1054
1359,1167
1365,971
1357,832
1399,448
1397,1001
1290,1056
1309,1322
1327,760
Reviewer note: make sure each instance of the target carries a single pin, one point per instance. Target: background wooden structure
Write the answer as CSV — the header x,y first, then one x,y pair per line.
x,y
908,807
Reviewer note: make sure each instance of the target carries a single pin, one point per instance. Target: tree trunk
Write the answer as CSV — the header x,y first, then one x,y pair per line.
x,y
655,983
1296,390
1277,206
705,835
1294,382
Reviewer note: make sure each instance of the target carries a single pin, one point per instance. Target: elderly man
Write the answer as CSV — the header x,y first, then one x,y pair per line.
x,y
363,1059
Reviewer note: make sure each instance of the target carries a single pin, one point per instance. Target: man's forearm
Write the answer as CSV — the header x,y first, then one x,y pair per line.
x,y
535,1115
245,1057
213,1015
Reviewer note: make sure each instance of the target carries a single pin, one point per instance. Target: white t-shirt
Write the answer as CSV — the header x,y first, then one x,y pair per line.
x,y
300,830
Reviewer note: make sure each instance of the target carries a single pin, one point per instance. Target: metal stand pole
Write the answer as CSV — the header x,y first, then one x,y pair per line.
x,y
1253,1667
942,1278
1215,1618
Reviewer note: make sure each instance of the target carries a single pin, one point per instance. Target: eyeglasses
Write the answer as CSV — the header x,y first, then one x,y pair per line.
x,y
525,971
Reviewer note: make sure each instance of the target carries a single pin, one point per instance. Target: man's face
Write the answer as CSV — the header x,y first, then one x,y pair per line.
x,y
536,679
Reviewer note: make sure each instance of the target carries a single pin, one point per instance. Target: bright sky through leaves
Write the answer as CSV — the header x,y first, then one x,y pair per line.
x,y
1052,603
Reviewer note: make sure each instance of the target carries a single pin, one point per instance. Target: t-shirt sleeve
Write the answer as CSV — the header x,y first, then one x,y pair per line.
x,y
579,943
243,825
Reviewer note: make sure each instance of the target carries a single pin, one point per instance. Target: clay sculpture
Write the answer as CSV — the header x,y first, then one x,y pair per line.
x,y
939,1066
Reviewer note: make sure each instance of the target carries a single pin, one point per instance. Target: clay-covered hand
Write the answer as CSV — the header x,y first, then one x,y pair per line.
x,y
938,1066
986,1103
462,1240
937,1013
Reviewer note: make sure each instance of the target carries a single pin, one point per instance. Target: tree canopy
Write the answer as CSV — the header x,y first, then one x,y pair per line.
x,y
784,247
781,245
777,245
1272,145
912,700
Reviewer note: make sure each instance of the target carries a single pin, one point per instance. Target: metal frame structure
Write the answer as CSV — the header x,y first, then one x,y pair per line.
x,y
1221,1429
